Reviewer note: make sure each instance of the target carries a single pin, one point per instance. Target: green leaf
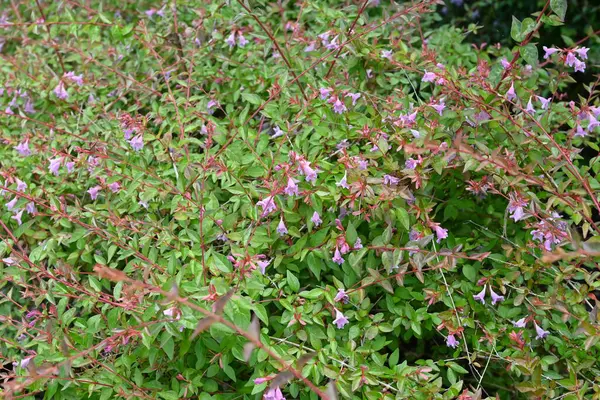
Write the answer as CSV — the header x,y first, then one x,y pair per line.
x,y
252,98
351,234
222,263
527,26
470,272
559,7
394,357
457,368
261,312
312,294
292,281
530,54
95,283
403,218
416,327
168,395
104,18
515,30
230,372
168,345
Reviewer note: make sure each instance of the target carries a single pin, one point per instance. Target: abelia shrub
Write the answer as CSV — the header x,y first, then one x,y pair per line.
x,y
295,200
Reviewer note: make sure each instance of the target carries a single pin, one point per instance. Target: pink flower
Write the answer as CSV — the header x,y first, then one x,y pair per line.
x,y
281,228
316,219
332,45
92,163
416,134
277,132
55,165
579,132
495,297
505,63
262,265
515,206
324,37
242,41
70,166
258,381
339,107
386,54
337,257
429,77
60,91
210,105
549,51
579,66
340,320
440,232
411,163
541,334
291,189
11,204
137,143
354,97
78,79
23,148
325,93
127,132
9,111
571,59
592,122
358,244
451,341
21,186
481,295
25,362
510,94
343,182
94,192
545,102
17,217
582,52
114,187
310,47
307,171
341,295
231,40
274,393
391,180
363,165
173,312
440,106
529,109
268,205
343,245
30,208
29,109
520,323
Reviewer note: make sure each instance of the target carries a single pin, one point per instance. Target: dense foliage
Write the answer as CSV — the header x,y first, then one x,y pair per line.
x,y
246,198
